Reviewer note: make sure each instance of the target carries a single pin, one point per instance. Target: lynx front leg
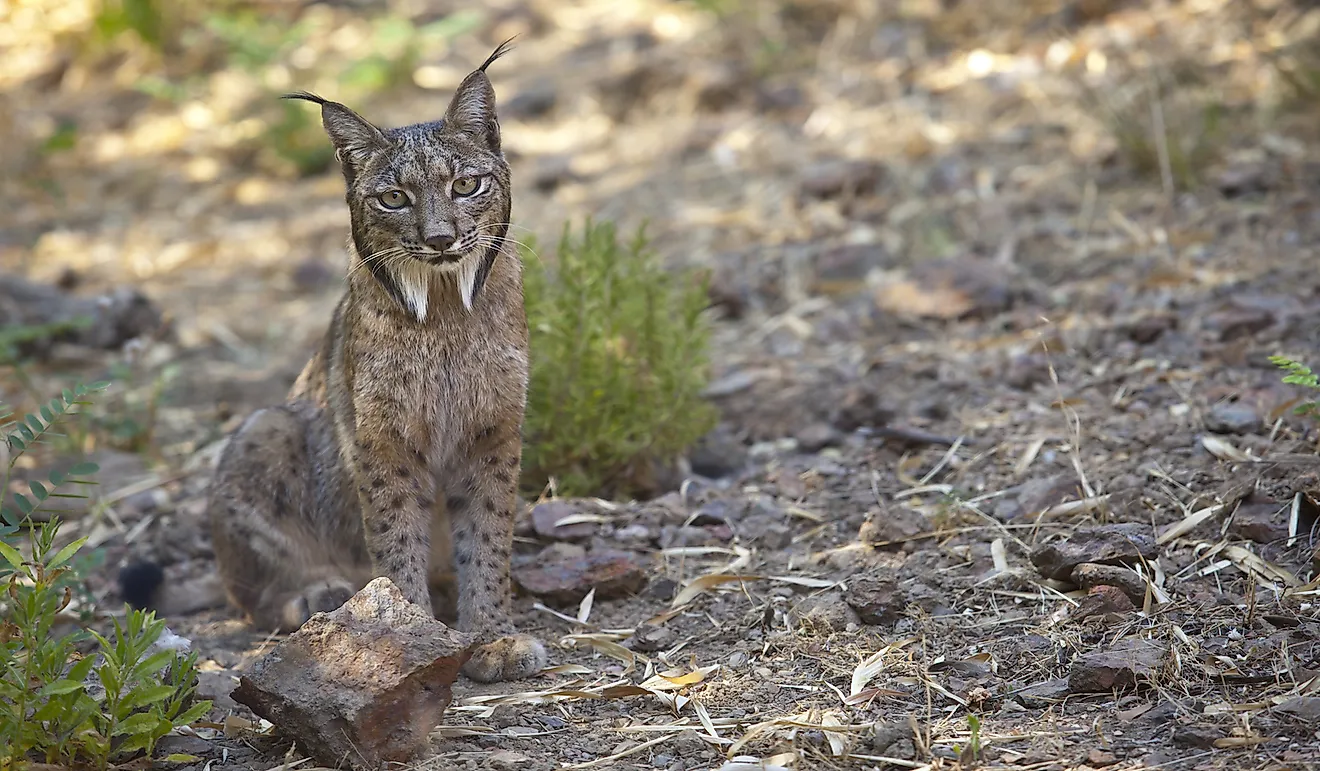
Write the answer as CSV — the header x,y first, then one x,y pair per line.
x,y
396,489
480,499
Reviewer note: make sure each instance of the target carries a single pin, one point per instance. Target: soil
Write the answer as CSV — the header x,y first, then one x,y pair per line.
x,y
958,319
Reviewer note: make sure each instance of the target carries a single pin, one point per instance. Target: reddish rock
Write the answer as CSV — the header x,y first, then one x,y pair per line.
x,y
1089,574
893,526
564,579
362,685
1101,600
876,600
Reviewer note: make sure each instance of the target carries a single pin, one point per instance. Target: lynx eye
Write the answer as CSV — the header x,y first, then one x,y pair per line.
x,y
393,199
465,186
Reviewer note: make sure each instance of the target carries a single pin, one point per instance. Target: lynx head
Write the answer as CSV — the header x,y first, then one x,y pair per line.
x,y
428,198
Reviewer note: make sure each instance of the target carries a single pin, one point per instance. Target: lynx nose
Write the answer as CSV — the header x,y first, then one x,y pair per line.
x,y
440,241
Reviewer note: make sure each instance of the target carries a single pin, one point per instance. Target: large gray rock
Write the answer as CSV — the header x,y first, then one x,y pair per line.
x,y
362,685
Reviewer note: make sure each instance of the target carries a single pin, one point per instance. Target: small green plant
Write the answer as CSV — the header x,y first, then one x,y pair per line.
x,y
619,360
56,704
1300,374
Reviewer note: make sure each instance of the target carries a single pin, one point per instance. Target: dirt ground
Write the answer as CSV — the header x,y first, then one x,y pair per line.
x,y
987,277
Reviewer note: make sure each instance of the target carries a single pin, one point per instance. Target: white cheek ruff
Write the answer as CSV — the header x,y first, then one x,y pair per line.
x,y
415,285
467,278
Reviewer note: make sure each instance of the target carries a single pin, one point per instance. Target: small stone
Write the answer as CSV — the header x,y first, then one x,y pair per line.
x,y
1026,371
613,573
1124,664
1147,330
825,612
877,600
662,588
718,454
716,512
774,536
1233,418
547,516
1119,544
835,178
1101,600
364,684
1199,736
1089,574
893,526
637,533
815,437
1234,324
1043,695
1099,758
649,638
1265,522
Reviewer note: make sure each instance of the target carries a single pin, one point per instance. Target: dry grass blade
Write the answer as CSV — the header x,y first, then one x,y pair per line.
x,y
838,740
1248,562
605,644
813,583
1225,450
705,583
1068,508
794,722
673,681
780,762
618,755
584,609
1000,555
874,665
1189,523
706,722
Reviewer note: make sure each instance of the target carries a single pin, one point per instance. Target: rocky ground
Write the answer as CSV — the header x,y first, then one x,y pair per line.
x,y
1004,472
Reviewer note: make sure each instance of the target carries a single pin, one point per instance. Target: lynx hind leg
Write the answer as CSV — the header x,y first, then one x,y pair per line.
x,y
277,568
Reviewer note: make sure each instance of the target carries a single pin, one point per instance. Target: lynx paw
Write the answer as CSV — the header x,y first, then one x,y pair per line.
x,y
508,658
318,597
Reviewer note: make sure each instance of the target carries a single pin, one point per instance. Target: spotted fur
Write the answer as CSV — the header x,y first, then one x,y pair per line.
x,y
398,449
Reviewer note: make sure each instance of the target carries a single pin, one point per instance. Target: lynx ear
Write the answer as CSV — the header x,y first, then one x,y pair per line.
x,y
472,110
353,136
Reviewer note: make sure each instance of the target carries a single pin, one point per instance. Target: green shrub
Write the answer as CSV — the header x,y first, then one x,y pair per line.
x,y
56,704
1300,374
619,360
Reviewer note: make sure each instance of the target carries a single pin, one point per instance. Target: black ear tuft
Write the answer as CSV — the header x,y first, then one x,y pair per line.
x,y
138,583
305,96
353,136
472,110
503,49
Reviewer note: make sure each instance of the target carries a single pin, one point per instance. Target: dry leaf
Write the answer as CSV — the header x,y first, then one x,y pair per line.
x,y
584,609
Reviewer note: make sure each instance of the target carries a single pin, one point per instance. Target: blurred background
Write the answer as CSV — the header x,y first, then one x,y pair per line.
x,y
850,174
